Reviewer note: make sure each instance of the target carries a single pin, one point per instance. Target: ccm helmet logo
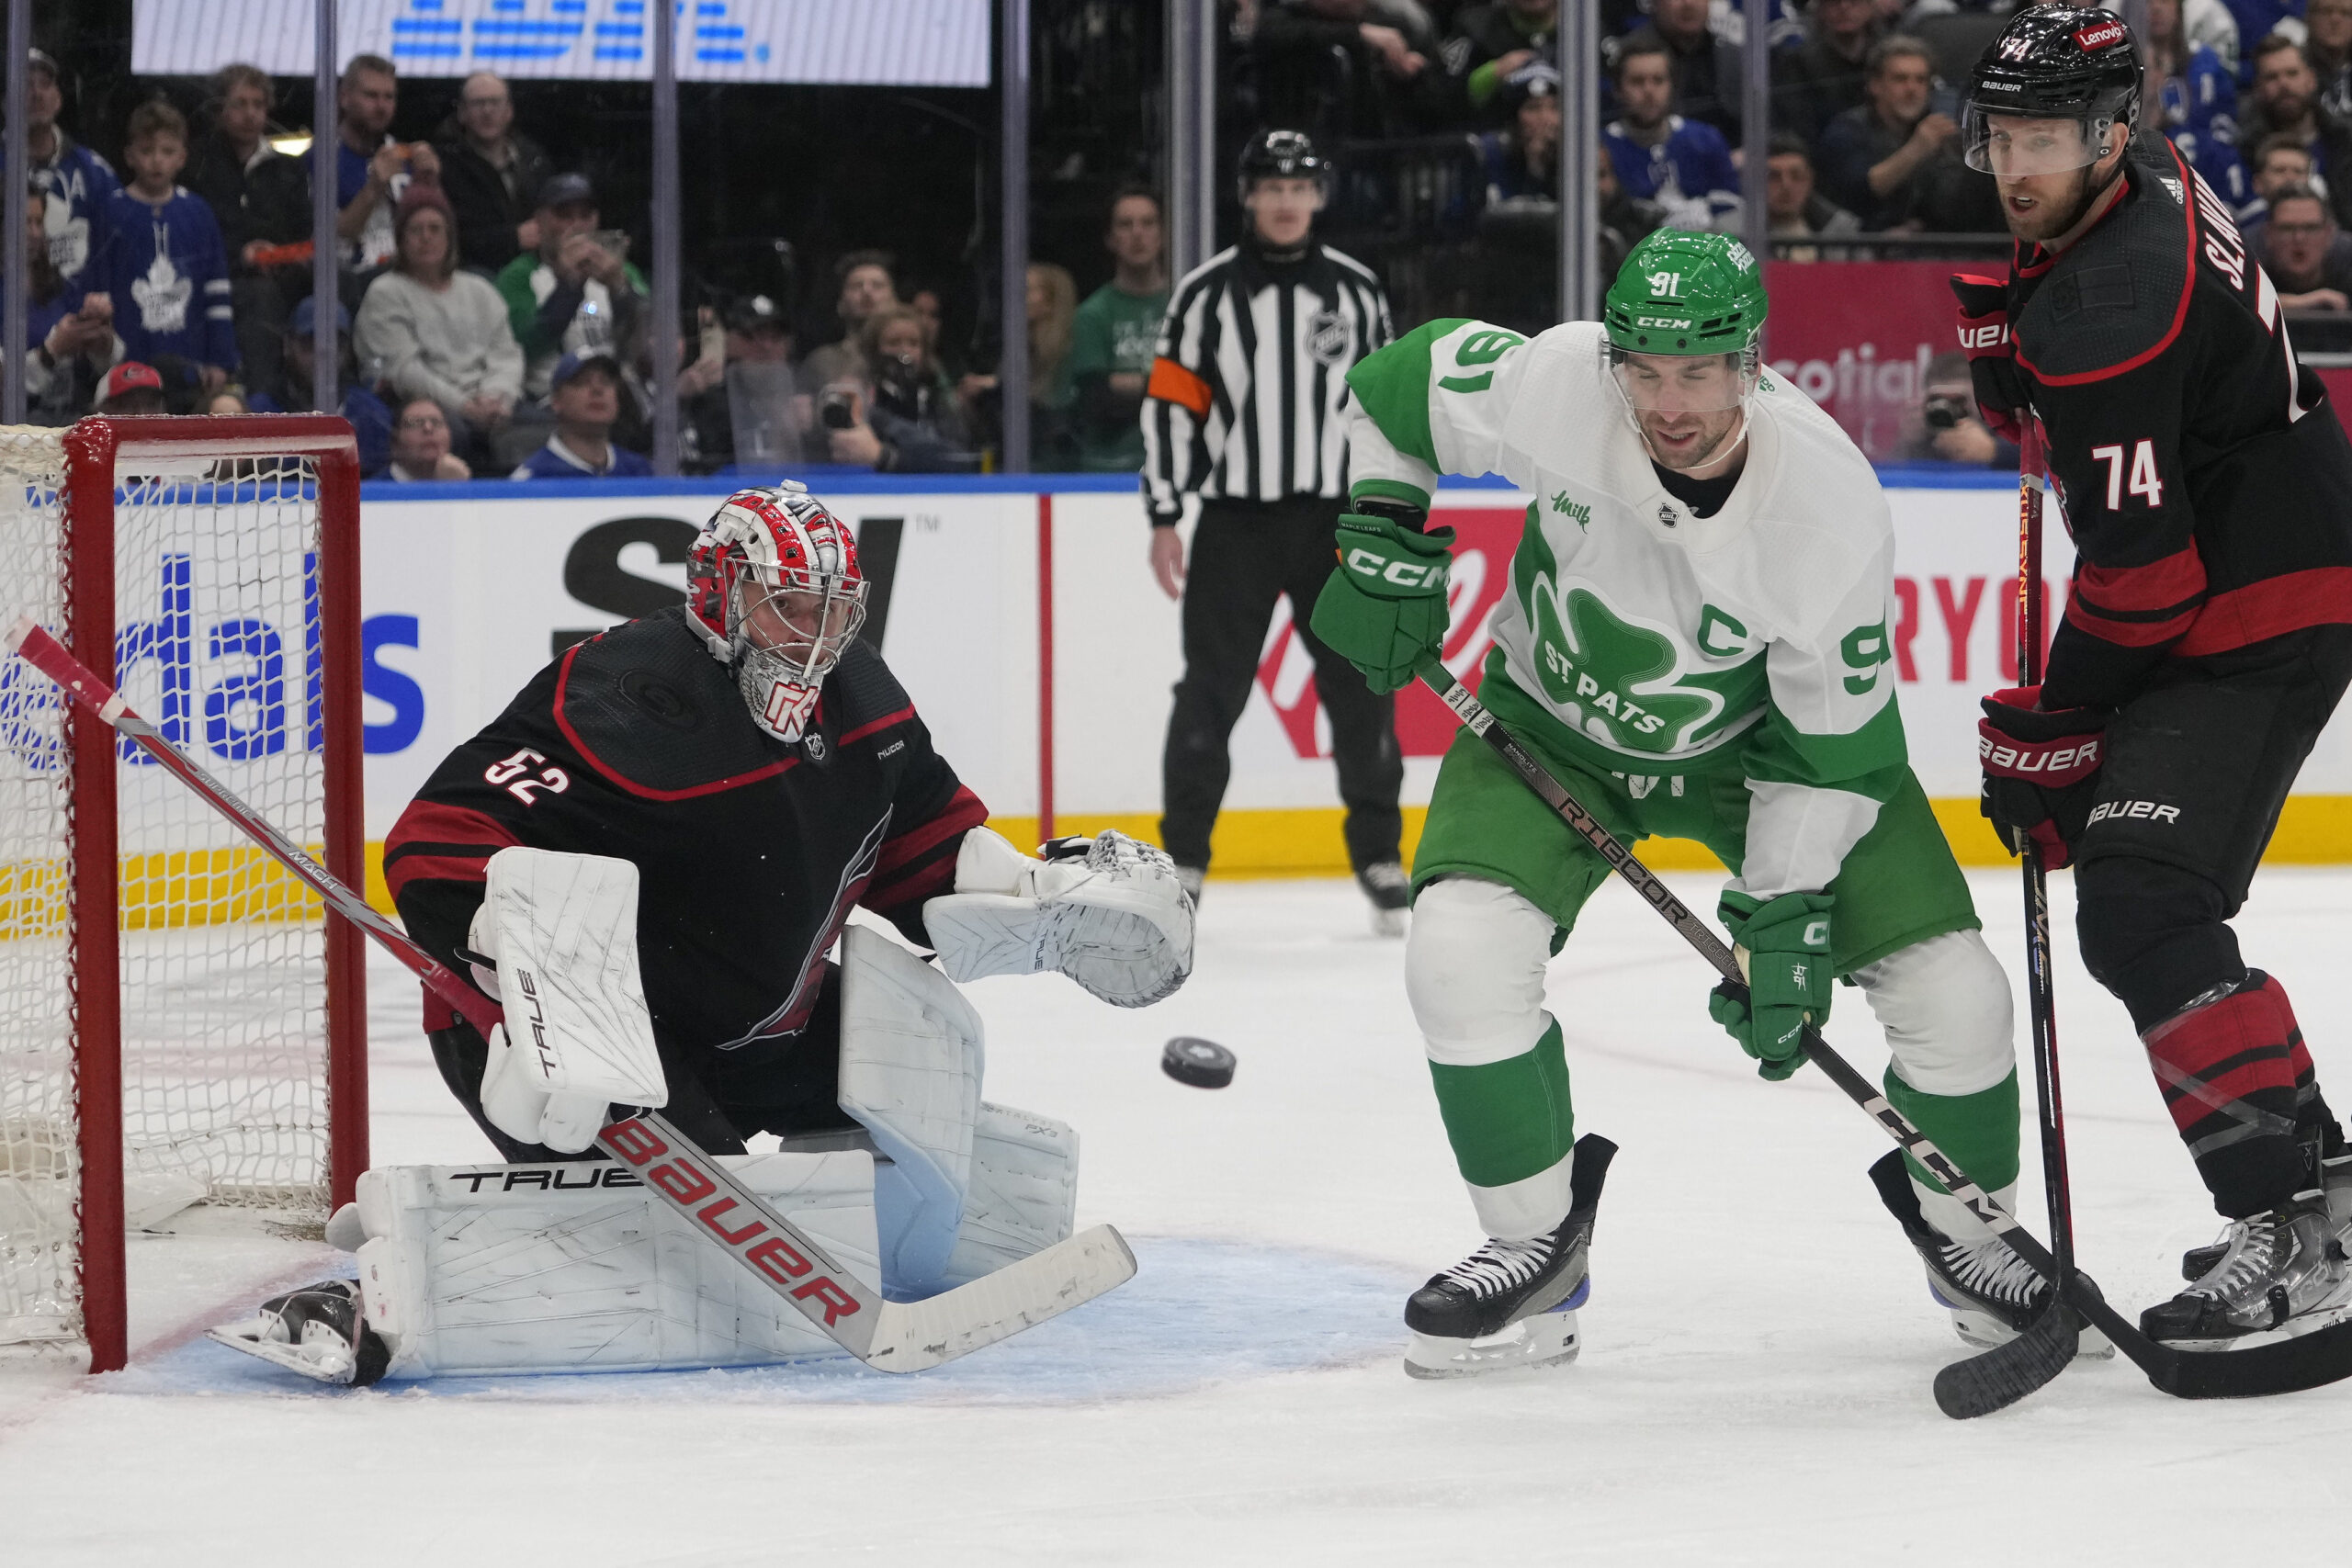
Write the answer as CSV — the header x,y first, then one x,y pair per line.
x,y
1402,573
2105,35
1668,322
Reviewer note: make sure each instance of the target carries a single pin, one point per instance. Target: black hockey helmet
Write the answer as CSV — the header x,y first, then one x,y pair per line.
x,y
1281,155
2052,63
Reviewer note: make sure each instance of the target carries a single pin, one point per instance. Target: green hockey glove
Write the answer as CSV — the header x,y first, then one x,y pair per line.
x,y
1784,945
1383,608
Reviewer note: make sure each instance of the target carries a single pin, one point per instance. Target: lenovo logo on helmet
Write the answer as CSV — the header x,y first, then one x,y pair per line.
x,y
1670,322
2102,35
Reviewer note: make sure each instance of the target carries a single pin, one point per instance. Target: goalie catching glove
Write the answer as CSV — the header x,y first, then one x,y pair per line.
x,y
1782,945
1108,912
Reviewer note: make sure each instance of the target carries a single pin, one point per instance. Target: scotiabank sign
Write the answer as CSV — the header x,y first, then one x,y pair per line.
x,y
1857,337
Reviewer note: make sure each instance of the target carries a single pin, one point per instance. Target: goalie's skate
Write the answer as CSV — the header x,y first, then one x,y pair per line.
x,y
1513,1303
317,1331
1992,1293
2280,1275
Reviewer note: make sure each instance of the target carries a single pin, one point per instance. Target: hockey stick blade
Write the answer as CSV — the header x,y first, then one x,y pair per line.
x,y
1997,1379
892,1337
2322,1357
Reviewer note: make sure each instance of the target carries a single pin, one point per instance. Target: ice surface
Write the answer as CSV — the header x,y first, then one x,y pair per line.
x,y
1754,1386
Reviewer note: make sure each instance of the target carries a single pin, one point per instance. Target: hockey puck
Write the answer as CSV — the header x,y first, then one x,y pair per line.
x,y
1203,1064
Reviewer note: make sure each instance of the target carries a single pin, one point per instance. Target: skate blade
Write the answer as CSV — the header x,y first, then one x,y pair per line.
x,y
1982,1331
2338,1310
1540,1339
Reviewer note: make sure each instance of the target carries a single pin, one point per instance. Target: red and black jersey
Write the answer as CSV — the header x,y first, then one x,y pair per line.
x,y
2206,481
751,852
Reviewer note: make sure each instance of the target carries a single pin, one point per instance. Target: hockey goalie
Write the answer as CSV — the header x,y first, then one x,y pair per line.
x,y
649,859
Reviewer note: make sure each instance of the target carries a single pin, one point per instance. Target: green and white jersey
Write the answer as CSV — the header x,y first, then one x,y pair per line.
x,y
1661,642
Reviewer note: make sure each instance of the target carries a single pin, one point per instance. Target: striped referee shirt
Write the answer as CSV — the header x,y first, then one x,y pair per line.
x,y
1247,394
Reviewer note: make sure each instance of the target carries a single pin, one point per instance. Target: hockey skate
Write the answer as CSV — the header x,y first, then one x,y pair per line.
x,y
1390,892
316,1331
2335,1181
1992,1293
1513,1303
2278,1275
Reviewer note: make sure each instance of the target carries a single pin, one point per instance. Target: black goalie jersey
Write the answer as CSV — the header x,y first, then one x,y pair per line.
x,y
2207,482
751,852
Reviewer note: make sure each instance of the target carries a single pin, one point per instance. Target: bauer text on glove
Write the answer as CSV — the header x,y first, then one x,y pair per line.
x,y
2041,771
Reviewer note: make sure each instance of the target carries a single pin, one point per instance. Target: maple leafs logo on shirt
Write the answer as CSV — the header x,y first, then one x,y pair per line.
x,y
163,295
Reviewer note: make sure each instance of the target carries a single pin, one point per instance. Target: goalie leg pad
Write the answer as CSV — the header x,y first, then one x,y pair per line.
x,y
910,1060
507,1269
1023,1196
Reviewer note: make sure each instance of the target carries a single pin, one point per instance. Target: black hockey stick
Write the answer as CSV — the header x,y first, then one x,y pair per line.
x,y
2320,1356
2007,1374
890,1336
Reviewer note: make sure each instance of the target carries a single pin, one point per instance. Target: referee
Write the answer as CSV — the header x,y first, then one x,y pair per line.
x,y
1245,407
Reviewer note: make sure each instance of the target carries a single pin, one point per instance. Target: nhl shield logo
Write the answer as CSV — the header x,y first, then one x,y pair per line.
x,y
1327,337
814,744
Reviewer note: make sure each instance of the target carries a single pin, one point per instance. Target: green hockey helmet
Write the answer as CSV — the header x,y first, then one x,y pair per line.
x,y
1684,293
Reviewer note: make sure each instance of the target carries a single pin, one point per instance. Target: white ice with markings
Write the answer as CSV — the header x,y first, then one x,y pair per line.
x,y
1754,1387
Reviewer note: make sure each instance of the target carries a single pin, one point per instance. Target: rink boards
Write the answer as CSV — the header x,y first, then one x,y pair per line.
x,y
467,589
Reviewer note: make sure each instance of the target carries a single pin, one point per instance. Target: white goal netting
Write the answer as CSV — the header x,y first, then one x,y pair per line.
x,y
218,641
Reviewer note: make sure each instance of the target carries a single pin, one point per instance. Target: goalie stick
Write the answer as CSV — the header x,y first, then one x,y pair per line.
x,y
2320,1356
890,1336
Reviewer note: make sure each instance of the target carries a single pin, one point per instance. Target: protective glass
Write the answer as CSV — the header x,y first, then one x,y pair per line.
x,y
799,626
1682,383
2013,147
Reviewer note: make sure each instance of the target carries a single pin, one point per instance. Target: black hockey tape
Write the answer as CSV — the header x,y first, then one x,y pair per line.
x,y
1203,1064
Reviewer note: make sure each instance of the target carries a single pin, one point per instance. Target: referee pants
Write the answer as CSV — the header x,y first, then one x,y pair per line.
x,y
1244,558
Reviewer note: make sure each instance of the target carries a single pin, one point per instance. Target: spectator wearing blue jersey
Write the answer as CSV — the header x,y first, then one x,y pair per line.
x,y
165,266
75,182
585,393
69,335
1525,160
2196,103
1682,165
2256,20
291,390
372,171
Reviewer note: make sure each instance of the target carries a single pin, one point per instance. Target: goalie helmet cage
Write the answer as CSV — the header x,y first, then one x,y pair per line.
x,y
174,1013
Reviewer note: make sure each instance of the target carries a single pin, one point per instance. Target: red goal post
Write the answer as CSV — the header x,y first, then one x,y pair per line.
x,y
178,1020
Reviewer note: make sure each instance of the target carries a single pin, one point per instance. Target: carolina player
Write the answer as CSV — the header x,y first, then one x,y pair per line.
x,y
766,774
2208,486
1695,640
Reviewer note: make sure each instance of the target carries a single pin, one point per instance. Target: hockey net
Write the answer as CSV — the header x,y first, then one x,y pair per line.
x,y
210,565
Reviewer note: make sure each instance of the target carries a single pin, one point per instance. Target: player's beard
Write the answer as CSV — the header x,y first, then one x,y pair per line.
x,y
1711,449
2043,229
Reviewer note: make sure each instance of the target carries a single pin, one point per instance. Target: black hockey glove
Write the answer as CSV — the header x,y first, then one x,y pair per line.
x,y
2001,395
2041,771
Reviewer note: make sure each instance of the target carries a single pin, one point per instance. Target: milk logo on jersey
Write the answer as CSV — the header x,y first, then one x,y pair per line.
x,y
1327,337
163,295
1576,512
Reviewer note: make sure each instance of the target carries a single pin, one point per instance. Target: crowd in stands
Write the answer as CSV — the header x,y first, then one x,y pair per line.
x,y
489,322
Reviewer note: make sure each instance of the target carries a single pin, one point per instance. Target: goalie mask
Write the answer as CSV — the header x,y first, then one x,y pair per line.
x,y
773,586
